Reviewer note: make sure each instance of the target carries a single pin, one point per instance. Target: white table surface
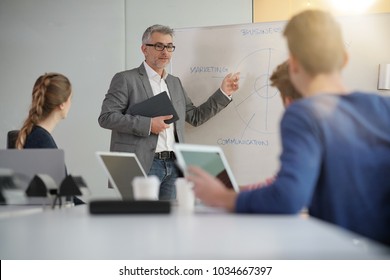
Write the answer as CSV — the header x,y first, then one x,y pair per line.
x,y
73,233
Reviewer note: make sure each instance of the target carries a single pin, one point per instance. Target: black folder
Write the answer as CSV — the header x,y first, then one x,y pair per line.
x,y
158,105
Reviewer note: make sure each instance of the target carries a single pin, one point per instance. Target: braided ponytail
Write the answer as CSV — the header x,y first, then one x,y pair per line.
x,y
49,91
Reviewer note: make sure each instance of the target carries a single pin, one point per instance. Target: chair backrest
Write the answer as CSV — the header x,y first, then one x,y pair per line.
x,y
11,138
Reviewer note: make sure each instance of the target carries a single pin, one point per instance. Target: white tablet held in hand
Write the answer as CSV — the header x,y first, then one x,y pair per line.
x,y
210,158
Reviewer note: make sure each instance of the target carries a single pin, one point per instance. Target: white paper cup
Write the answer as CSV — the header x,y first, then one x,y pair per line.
x,y
146,188
185,195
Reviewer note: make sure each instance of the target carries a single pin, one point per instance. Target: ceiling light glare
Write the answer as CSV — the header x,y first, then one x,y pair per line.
x,y
352,6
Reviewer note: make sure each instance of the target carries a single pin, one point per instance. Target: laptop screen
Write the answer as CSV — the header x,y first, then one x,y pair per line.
x,y
25,164
28,162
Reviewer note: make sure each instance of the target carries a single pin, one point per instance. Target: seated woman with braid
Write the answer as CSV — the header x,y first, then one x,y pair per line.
x,y
51,101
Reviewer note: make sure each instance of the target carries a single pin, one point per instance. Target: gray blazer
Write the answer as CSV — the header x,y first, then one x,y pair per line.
x,y
131,133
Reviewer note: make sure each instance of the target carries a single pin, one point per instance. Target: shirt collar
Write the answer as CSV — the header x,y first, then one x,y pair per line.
x,y
153,75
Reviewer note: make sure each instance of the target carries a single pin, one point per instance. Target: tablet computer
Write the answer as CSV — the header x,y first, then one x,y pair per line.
x,y
210,158
158,105
121,168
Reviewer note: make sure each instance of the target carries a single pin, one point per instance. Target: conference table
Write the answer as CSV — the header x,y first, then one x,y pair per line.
x,y
72,233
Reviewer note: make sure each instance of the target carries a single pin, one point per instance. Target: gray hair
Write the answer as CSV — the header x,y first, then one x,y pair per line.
x,y
166,30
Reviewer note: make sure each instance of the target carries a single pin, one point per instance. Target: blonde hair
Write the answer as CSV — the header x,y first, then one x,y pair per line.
x,y
50,90
315,39
281,80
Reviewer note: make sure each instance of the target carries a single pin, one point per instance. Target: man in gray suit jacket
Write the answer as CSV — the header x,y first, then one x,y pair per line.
x,y
151,139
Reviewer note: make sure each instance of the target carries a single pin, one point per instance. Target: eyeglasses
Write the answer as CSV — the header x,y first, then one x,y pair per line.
x,y
161,47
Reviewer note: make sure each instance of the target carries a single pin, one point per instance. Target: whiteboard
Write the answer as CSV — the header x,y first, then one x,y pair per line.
x,y
248,129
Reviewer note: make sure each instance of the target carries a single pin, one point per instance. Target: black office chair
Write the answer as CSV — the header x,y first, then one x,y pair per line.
x,y
12,135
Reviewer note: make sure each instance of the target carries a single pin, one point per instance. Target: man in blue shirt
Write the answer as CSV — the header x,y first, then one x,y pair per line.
x,y
335,144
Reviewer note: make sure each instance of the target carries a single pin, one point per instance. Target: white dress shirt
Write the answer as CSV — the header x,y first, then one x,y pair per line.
x,y
166,138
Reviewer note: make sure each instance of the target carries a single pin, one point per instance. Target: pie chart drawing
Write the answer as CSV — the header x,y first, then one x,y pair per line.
x,y
257,103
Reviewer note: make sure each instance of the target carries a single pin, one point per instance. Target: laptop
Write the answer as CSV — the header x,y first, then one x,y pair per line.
x,y
121,168
24,164
210,158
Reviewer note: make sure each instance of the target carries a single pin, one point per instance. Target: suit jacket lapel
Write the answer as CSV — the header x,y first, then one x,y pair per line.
x,y
145,81
172,89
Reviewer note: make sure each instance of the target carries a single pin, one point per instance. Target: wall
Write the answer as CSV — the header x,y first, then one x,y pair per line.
x,y
89,41
274,10
178,14
83,40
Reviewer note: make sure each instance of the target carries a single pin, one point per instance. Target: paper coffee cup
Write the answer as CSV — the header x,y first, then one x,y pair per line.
x,y
146,188
185,195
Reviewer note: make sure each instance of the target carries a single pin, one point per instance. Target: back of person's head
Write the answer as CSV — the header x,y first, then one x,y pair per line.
x,y
166,30
281,80
315,39
50,90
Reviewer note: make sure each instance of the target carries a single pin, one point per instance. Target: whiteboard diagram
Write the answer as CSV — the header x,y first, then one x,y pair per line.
x,y
257,100
248,128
